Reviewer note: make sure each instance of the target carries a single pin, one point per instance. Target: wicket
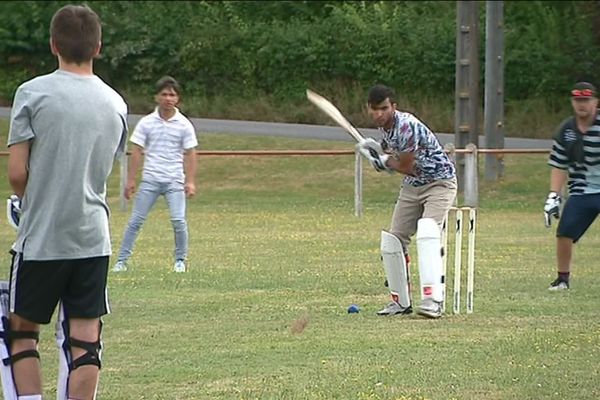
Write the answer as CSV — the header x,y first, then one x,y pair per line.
x,y
458,217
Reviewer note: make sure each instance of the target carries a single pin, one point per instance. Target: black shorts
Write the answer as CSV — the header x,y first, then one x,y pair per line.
x,y
37,286
577,215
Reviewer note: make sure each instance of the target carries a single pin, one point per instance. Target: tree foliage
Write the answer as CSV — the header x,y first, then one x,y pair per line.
x,y
243,48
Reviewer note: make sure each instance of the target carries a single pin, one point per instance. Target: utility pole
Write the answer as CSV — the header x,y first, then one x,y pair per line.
x,y
467,81
494,88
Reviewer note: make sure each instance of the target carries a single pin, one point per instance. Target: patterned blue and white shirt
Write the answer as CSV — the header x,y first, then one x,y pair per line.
x,y
409,135
579,154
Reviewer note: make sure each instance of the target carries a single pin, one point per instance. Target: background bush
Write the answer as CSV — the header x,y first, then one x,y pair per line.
x,y
241,59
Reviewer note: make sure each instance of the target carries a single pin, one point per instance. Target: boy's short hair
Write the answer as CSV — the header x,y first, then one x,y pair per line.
x,y
167,82
76,32
379,93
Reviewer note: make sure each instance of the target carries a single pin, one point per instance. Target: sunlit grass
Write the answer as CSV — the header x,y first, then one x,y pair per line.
x,y
275,239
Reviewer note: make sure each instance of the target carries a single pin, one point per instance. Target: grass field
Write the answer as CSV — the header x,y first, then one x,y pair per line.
x,y
274,241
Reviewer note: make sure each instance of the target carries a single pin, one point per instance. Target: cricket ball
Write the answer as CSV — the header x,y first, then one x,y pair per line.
x,y
353,309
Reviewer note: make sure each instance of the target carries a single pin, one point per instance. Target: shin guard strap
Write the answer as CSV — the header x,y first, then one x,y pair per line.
x,y
24,335
9,335
21,355
91,357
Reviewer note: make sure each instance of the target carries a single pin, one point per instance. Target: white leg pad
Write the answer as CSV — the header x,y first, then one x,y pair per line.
x,y
396,270
8,384
62,383
429,251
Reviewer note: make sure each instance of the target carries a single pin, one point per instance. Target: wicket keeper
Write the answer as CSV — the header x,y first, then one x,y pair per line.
x,y
575,160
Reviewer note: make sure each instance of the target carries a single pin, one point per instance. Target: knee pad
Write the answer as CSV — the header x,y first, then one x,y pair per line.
x,y
66,363
7,335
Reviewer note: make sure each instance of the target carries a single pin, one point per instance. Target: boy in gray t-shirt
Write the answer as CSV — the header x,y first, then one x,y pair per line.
x,y
66,130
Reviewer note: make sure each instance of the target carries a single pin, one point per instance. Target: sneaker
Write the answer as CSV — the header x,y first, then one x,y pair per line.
x,y
120,266
394,308
179,266
430,308
559,284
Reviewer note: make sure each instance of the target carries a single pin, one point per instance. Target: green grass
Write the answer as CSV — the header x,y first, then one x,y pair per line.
x,y
275,239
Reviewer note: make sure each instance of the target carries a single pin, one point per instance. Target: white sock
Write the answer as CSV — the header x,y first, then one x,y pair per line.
x,y
30,397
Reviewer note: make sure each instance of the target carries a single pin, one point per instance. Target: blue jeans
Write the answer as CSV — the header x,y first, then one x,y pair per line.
x,y
145,198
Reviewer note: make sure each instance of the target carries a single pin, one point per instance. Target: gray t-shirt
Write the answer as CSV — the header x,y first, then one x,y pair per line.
x,y
77,128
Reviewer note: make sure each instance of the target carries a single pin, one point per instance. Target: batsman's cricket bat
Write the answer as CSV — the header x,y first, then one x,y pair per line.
x,y
331,110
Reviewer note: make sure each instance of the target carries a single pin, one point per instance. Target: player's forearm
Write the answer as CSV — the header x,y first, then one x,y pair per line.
x,y
18,183
189,166
403,163
18,174
135,161
558,177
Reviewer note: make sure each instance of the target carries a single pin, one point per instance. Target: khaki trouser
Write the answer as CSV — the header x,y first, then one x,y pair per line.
x,y
428,201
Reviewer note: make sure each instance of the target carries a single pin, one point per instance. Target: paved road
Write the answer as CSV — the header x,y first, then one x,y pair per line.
x,y
312,131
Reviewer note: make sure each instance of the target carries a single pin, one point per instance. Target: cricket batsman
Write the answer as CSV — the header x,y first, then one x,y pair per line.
x,y
427,192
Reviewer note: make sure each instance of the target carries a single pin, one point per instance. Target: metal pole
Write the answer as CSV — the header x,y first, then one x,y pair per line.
x,y
122,182
357,184
467,79
471,183
451,150
494,88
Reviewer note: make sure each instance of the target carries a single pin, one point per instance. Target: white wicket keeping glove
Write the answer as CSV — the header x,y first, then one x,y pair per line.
x,y
551,208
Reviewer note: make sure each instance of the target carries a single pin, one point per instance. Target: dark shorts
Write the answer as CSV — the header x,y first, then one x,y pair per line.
x,y
577,215
37,286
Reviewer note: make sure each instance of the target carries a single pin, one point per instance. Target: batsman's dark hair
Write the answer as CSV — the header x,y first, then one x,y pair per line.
x,y
379,93
76,32
167,82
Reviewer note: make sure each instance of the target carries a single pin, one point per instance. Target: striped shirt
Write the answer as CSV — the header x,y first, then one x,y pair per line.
x,y
164,142
579,154
409,135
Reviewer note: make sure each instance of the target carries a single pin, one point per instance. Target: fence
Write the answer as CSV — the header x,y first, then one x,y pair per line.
x,y
469,182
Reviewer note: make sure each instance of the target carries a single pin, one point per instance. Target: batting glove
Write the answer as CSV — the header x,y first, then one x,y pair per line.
x,y
13,211
551,208
378,161
371,145
372,151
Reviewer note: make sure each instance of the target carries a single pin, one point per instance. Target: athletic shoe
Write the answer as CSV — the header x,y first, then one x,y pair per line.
x,y
120,266
559,284
394,308
430,308
179,266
